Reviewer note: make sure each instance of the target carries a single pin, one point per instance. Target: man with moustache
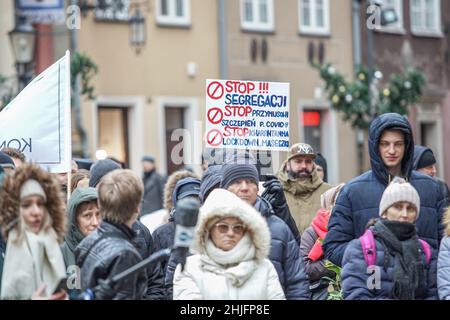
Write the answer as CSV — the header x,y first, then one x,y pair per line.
x,y
301,184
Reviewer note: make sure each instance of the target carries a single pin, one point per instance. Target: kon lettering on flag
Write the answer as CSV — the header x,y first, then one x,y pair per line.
x,y
251,115
37,121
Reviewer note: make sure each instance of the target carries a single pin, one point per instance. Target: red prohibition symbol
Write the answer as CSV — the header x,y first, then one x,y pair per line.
x,y
214,138
215,115
215,90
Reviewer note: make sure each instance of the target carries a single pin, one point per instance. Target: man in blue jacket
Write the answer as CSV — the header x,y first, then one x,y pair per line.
x,y
391,149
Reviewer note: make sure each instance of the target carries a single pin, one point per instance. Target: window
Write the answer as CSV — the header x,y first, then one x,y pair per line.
x,y
397,5
115,11
257,15
426,17
173,12
314,16
312,126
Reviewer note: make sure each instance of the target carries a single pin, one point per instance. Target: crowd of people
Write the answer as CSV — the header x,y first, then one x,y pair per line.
x,y
382,235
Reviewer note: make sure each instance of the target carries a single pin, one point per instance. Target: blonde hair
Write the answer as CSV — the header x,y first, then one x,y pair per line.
x,y
119,195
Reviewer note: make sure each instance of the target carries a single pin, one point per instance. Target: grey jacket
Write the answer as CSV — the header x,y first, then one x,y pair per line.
x,y
443,273
153,192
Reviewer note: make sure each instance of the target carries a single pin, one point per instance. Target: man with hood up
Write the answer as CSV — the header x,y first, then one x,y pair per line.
x,y
425,162
391,148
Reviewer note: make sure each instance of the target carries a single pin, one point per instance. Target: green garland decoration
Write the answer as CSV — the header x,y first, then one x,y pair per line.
x,y
352,98
82,65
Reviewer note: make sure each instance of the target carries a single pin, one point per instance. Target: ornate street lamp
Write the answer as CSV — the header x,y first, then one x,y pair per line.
x,y
23,40
137,31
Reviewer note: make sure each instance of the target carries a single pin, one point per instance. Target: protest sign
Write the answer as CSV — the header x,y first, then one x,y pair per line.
x,y
249,115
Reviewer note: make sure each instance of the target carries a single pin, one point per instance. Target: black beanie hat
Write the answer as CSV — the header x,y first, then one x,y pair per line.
x,y
210,181
100,169
427,159
320,160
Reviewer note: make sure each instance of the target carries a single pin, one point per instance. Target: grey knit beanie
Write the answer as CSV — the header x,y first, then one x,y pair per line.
x,y
238,165
399,191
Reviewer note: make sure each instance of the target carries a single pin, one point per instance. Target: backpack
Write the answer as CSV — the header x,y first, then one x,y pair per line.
x,y
370,251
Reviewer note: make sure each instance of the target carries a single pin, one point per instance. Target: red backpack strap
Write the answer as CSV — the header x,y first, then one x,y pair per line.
x,y
368,247
427,250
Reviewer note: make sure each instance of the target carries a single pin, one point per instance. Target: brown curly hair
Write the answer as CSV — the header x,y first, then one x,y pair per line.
x,y
10,199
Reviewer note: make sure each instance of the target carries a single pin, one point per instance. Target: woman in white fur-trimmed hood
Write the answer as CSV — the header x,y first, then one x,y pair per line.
x,y
33,223
232,243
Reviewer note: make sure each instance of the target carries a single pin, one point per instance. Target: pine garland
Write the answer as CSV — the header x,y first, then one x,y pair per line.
x,y
352,98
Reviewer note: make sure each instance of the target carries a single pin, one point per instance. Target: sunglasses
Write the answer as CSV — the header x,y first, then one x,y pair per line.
x,y
225,227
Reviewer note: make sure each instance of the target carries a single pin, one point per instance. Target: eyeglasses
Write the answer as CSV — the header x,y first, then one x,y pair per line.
x,y
225,227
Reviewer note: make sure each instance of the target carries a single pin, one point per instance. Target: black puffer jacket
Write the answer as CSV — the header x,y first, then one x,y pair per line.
x,y
164,238
105,253
285,254
146,246
418,152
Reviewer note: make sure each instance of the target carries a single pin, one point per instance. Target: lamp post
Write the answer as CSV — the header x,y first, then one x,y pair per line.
x,y
137,31
23,40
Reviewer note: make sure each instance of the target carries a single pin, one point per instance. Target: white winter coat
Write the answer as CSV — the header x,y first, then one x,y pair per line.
x,y
243,273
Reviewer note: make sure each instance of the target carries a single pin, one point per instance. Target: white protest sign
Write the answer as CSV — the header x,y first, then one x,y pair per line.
x,y
249,115
37,121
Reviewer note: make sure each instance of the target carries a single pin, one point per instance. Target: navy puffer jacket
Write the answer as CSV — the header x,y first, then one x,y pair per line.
x,y
285,255
355,275
359,200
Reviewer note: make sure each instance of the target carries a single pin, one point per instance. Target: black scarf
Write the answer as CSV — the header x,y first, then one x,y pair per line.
x,y
148,174
400,240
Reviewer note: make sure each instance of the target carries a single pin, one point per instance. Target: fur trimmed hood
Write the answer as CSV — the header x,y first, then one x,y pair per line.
x,y
222,203
446,222
170,185
10,198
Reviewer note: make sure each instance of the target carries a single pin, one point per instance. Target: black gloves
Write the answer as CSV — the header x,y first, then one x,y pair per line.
x,y
274,192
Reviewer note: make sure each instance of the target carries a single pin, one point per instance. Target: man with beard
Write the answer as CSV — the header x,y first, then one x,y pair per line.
x,y
301,184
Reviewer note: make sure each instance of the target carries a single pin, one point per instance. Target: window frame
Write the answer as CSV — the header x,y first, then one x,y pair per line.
x,y
171,19
399,27
313,29
436,31
256,24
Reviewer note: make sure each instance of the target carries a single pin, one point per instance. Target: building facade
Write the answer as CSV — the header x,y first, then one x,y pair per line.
x,y
151,102
7,69
419,39
274,41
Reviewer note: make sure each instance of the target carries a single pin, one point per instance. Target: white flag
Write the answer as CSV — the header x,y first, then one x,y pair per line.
x,y
37,121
